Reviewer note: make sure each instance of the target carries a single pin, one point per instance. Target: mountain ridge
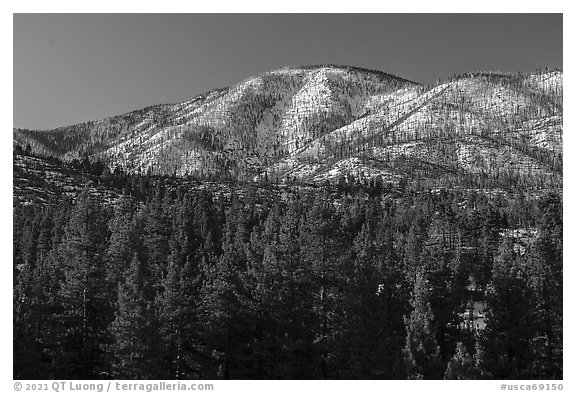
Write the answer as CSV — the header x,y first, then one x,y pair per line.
x,y
324,121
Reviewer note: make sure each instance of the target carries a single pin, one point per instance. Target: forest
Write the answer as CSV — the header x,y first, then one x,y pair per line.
x,y
339,281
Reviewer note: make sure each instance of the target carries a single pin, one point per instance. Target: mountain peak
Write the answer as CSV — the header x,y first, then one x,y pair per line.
x,y
336,67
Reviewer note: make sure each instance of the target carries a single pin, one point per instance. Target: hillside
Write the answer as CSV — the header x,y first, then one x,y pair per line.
x,y
318,222
325,122
40,181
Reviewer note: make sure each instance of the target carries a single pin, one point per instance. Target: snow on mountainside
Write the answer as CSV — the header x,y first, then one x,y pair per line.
x,y
324,122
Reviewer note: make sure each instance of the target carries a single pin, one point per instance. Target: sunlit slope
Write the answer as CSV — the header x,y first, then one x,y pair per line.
x,y
322,122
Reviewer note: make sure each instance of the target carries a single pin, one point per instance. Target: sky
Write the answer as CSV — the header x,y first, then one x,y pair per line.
x,y
71,68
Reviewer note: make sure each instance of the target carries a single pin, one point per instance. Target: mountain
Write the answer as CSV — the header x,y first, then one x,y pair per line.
x,y
325,122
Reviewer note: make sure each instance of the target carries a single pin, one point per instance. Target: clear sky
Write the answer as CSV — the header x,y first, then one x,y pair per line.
x,y
70,68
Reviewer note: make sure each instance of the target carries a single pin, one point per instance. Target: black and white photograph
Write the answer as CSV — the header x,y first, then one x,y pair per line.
x,y
298,196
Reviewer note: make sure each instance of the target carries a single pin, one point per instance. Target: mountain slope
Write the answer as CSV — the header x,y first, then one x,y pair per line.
x,y
322,122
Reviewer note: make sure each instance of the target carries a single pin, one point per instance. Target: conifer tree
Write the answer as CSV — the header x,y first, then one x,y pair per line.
x,y
461,365
180,327
421,353
123,243
318,251
134,347
506,340
228,326
84,292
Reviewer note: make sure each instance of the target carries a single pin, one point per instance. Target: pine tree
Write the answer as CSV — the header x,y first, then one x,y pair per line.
x,y
319,252
156,230
421,353
505,342
393,295
123,242
227,321
545,270
87,306
293,310
414,247
26,322
361,317
133,329
36,298
180,326
461,365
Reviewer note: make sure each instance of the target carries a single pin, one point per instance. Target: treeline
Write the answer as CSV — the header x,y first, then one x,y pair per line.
x,y
302,285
